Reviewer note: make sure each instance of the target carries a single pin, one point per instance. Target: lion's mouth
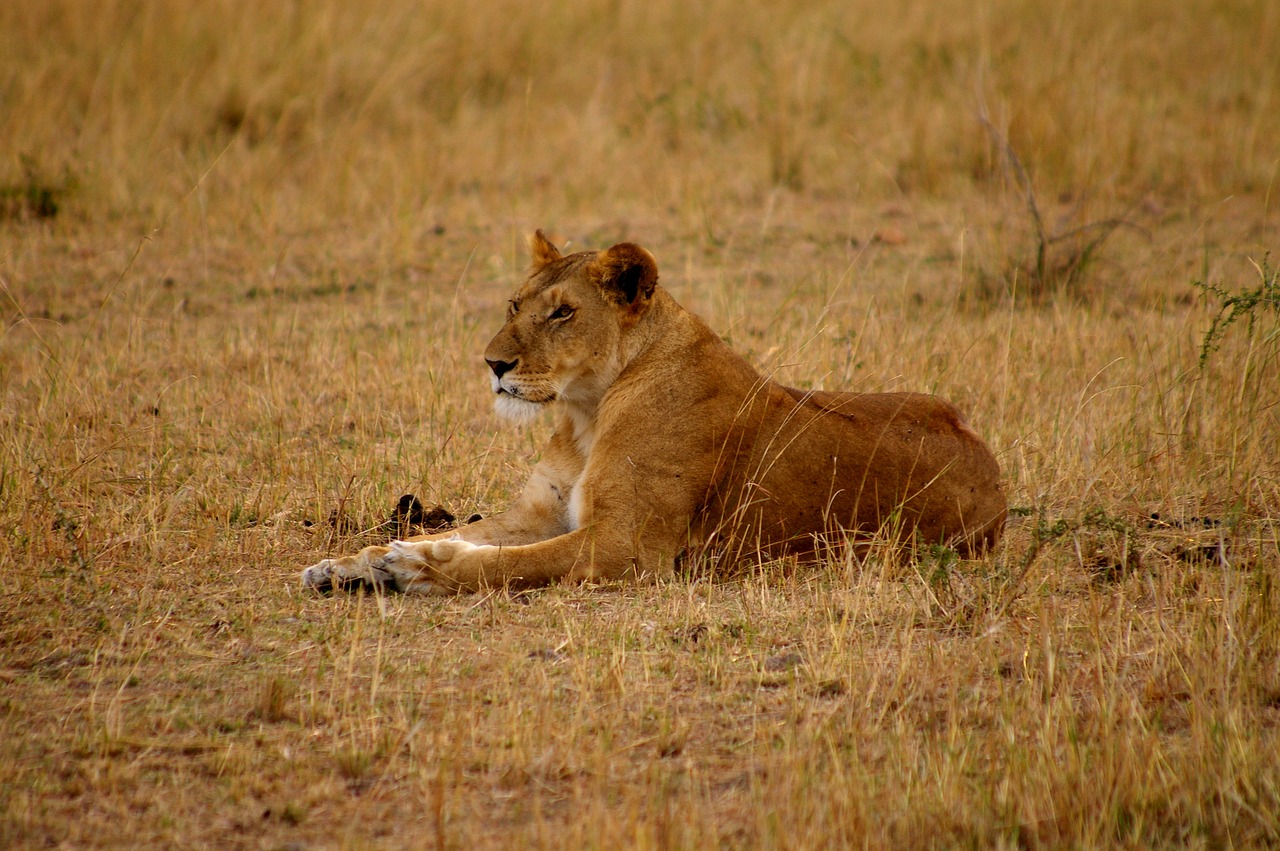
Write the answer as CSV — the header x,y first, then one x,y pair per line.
x,y
504,390
517,393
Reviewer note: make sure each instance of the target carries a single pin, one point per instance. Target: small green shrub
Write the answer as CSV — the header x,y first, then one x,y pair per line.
x,y
1248,304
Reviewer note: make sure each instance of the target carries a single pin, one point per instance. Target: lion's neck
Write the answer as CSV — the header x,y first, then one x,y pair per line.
x,y
584,429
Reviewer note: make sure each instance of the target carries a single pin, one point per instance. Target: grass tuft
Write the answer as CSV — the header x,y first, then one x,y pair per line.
x,y
34,195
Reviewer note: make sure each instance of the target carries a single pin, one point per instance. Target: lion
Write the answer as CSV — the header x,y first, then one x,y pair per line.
x,y
669,444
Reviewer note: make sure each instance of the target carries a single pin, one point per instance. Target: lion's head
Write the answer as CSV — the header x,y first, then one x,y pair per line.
x,y
567,326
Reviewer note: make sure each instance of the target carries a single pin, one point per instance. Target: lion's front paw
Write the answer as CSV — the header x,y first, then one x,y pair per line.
x,y
319,576
416,566
367,571
409,567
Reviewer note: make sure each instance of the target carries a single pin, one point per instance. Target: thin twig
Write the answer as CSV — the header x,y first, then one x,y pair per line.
x,y
1011,157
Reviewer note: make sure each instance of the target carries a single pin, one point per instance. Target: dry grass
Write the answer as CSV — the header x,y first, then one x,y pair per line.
x,y
249,256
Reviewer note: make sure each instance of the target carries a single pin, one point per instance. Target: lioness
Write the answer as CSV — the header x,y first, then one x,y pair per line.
x,y
669,441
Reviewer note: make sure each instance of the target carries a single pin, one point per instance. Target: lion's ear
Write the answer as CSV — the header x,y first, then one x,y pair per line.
x,y
629,272
541,250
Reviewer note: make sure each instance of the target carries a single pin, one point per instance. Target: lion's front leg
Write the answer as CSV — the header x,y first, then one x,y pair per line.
x,y
453,566
410,567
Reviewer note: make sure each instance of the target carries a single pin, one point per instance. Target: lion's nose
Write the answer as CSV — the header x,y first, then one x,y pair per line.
x,y
500,367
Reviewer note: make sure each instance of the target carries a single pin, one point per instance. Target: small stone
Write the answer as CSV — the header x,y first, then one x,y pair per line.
x,y
889,235
547,654
783,662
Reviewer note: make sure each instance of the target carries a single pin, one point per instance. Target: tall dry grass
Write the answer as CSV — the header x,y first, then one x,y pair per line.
x,y
250,255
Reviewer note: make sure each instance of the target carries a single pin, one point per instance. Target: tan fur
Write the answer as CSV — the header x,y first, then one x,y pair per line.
x,y
669,442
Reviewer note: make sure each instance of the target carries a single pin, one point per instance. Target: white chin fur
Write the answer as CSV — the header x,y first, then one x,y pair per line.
x,y
515,409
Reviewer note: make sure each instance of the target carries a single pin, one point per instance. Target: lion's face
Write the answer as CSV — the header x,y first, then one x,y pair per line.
x,y
566,326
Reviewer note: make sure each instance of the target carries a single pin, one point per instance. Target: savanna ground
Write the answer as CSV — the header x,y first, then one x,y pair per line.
x,y
250,255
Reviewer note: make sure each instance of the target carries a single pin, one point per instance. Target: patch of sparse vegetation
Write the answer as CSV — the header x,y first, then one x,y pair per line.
x,y
1060,259
34,195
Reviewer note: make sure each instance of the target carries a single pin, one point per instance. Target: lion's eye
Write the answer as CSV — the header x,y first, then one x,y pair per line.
x,y
564,311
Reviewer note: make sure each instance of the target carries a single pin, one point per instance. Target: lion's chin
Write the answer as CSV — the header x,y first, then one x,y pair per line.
x,y
516,409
